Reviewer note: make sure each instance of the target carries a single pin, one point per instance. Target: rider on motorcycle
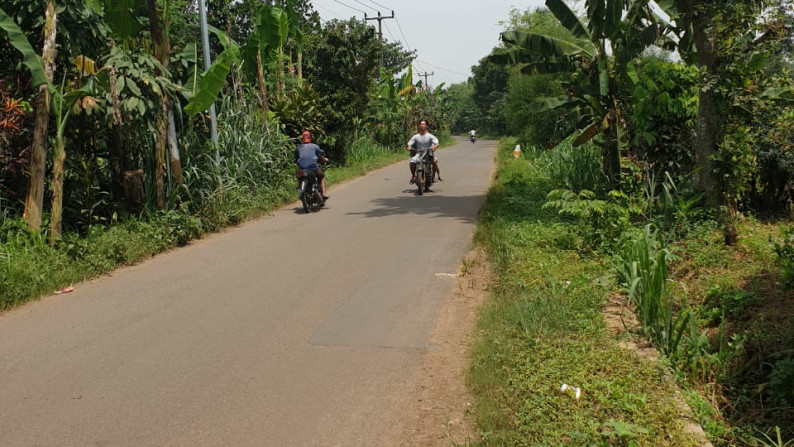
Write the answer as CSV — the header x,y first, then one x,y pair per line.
x,y
421,142
472,134
307,155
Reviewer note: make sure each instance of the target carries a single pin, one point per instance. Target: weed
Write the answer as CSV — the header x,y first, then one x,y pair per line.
x,y
781,382
785,253
777,441
622,433
643,270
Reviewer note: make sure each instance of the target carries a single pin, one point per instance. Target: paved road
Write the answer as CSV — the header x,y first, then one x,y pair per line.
x,y
291,330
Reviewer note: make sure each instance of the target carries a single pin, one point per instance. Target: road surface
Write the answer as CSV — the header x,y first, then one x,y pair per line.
x,y
290,330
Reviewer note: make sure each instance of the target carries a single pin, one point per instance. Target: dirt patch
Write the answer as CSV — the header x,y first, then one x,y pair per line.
x,y
438,410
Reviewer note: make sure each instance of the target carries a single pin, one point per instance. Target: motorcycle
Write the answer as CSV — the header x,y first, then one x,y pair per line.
x,y
424,172
473,138
310,191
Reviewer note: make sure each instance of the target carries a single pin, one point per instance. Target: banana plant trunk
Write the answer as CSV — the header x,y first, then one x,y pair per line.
x,y
59,159
162,50
34,200
117,146
173,146
260,72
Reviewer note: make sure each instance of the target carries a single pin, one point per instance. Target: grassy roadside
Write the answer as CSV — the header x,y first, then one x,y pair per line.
x,y
30,268
544,327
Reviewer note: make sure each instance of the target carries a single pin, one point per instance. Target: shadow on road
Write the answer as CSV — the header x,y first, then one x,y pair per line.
x,y
433,204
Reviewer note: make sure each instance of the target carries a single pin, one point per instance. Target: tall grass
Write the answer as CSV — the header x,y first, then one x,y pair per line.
x,y
575,168
642,267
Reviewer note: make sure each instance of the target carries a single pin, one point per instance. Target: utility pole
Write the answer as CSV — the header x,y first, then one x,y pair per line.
x,y
207,62
426,74
379,18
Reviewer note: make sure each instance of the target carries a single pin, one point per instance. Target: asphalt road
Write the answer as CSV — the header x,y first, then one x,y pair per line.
x,y
290,330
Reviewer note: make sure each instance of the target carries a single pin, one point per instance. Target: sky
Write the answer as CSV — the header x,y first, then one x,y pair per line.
x,y
449,36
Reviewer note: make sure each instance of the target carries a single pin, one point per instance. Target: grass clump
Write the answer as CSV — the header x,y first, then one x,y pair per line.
x,y
543,327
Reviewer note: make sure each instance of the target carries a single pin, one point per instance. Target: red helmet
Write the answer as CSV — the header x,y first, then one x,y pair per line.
x,y
306,137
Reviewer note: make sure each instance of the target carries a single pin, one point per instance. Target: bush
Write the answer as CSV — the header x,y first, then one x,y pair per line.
x,y
664,108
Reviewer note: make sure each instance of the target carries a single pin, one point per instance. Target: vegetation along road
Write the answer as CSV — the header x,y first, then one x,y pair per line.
x,y
296,329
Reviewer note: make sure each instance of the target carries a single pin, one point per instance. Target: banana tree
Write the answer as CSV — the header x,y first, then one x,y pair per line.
x,y
390,101
586,55
293,19
203,92
64,104
41,68
265,46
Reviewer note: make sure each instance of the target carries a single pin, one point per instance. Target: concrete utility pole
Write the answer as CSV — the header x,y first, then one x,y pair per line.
x,y
207,62
379,18
426,74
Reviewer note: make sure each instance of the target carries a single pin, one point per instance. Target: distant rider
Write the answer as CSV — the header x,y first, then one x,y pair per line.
x,y
420,142
472,134
307,155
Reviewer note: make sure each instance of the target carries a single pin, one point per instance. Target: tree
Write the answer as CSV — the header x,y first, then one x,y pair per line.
x,y
34,201
341,64
586,55
489,81
729,42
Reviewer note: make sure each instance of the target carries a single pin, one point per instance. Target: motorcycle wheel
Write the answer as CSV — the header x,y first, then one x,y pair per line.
x,y
314,202
305,203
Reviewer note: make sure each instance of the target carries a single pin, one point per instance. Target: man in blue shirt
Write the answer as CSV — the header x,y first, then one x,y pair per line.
x,y
307,155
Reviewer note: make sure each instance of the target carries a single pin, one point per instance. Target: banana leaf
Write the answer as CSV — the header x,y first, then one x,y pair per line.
x,y
214,79
613,16
542,105
542,45
30,58
596,14
588,134
273,26
121,18
567,18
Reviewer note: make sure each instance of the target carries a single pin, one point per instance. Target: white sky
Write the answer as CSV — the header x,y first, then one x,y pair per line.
x,y
450,36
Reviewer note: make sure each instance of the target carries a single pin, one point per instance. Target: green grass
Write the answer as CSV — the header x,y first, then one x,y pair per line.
x,y
543,327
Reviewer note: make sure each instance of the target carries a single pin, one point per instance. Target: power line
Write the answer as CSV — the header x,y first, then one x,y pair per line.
x,y
351,7
328,10
378,4
388,30
445,69
407,47
365,5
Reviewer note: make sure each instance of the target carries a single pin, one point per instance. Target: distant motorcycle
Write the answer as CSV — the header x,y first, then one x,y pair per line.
x,y
310,191
424,171
473,138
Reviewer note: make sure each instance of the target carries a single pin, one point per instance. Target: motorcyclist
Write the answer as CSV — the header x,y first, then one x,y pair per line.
x,y
472,134
420,142
307,155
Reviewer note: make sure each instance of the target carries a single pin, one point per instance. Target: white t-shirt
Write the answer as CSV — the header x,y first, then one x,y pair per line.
x,y
422,143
